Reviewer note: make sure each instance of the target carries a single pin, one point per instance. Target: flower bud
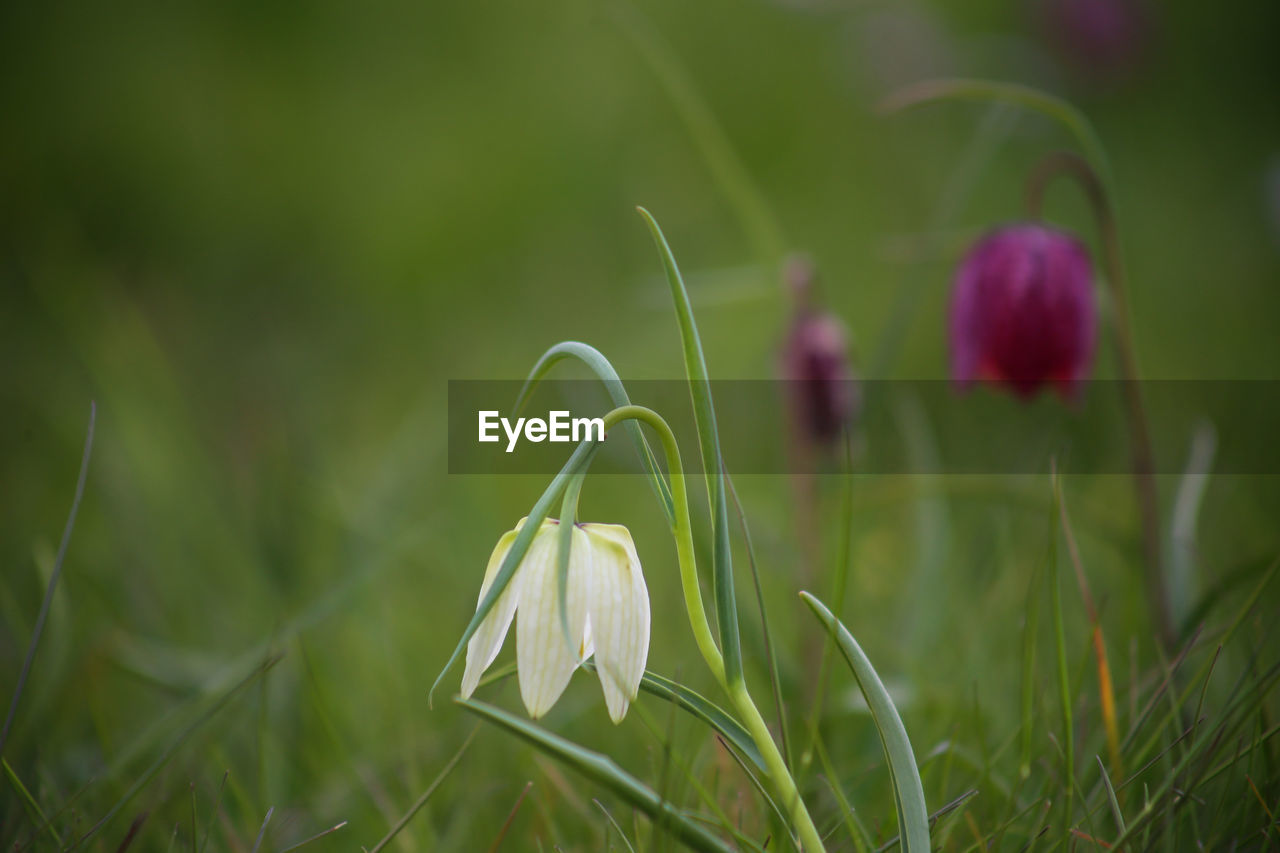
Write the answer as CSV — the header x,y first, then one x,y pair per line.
x,y
815,364
1022,311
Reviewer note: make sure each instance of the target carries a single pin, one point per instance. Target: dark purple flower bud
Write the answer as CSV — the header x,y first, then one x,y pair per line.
x,y
1022,311
815,366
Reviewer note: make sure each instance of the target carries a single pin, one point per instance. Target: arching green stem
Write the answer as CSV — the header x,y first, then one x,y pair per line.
x,y
960,89
681,529
753,721
704,417
1076,167
608,376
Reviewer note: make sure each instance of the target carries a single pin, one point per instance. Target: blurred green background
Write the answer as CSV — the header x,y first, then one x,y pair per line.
x,y
262,237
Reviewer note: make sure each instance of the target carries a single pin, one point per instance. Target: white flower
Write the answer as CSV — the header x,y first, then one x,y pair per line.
x,y
608,615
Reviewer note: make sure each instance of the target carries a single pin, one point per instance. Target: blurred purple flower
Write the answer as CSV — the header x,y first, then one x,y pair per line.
x,y
1101,38
1022,311
820,384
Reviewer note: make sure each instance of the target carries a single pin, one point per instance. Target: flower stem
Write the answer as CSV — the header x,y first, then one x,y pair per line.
x,y
682,531
788,795
1075,166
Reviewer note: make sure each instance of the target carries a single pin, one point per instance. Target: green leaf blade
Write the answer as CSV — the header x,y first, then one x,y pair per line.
x,y
602,771
576,464
712,460
1026,97
702,708
908,791
595,361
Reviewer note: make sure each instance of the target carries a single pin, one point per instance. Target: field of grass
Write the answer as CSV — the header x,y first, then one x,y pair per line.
x,y
245,248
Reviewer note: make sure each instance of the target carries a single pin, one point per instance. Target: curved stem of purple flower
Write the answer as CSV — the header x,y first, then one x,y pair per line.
x,y
1068,164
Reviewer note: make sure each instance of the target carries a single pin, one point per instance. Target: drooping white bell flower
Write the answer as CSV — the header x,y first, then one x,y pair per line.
x,y
607,606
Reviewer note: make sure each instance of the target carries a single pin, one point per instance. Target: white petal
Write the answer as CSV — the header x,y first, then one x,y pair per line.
x,y
619,614
544,661
588,647
487,640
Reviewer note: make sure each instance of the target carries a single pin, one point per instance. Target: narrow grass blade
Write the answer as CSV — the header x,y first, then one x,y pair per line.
x,y
759,785
615,826
706,711
1106,690
956,89
29,802
132,834
195,831
577,463
1242,753
925,594
263,831
1271,819
168,752
595,361
601,770
674,759
1204,744
1111,796
1245,609
53,577
770,656
213,815
933,818
511,816
1030,631
666,738
702,708
315,837
857,831
727,169
908,792
712,463
1231,580
426,795
64,809
840,582
1060,642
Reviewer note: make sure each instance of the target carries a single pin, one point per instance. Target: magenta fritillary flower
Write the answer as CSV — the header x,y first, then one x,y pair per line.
x,y
1023,313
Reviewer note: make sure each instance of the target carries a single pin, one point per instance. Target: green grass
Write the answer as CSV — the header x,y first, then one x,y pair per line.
x,y
261,241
